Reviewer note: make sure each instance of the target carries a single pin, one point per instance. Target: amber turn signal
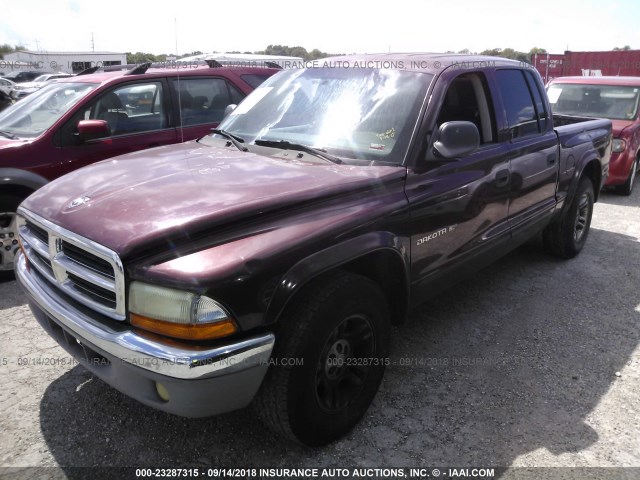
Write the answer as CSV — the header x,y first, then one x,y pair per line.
x,y
185,331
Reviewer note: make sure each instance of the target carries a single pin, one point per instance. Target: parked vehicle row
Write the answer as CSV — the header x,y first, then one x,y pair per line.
x,y
265,263
23,89
19,76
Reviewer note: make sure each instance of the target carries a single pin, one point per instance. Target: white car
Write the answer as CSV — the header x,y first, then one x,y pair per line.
x,y
6,86
23,89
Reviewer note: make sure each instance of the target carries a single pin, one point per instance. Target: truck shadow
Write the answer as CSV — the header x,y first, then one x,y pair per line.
x,y
612,198
512,360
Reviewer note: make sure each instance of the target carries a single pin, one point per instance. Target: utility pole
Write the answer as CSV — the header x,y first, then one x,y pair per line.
x,y
175,23
92,44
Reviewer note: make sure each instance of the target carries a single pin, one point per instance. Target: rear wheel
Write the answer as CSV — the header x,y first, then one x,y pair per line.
x,y
331,350
566,237
627,187
8,234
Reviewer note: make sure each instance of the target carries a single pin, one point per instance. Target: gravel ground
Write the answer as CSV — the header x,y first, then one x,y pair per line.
x,y
532,362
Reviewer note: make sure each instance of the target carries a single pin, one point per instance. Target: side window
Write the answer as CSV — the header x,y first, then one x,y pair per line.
x,y
518,103
541,111
203,100
130,108
467,99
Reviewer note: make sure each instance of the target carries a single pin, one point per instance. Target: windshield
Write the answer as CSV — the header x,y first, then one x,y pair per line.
x,y
42,78
34,114
364,114
606,101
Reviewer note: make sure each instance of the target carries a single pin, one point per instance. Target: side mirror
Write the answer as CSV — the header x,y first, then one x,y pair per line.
x,y
229,109
455,139
93,129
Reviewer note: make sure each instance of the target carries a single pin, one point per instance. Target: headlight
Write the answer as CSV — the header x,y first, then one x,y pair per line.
x,y
618,145
177,314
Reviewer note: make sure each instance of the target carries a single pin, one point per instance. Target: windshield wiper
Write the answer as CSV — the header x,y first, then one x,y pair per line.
x,y
8,135
232,138
285,145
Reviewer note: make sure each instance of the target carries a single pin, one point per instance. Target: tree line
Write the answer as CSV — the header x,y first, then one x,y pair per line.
x,y
298,51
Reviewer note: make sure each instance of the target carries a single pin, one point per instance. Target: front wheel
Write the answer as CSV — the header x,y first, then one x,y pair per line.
x,y
566,237
331,350
8,234
627,187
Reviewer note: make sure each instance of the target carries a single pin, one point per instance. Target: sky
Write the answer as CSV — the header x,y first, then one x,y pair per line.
x,y
333,26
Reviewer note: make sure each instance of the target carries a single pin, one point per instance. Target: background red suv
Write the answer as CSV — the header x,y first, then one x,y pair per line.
x,y
615,98
80,120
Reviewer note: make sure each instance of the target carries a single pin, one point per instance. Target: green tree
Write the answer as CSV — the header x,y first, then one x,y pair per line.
x,y
6,48
494,52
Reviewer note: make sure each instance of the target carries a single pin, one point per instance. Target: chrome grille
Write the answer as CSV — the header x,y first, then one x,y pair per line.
x,y
84,270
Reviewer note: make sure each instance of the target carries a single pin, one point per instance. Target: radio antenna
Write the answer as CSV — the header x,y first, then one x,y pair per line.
x,y
175,22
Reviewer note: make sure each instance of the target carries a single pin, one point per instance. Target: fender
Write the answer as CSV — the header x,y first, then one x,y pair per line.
x,y
335,256
597,147
22,178
583,164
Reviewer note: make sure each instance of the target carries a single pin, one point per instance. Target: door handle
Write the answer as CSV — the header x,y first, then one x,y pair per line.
x,y
502,178
551,159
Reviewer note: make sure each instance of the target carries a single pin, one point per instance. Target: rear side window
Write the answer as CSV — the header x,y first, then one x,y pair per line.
x,y
541,110
518,103
203,100
254,79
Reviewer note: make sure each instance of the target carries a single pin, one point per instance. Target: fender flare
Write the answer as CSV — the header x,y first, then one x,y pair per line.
x,y
21,178
335,256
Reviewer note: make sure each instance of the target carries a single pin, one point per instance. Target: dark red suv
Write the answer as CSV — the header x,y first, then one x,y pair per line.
x,y
80,120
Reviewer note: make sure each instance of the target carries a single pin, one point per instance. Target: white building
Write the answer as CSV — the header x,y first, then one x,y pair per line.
x,y
68,62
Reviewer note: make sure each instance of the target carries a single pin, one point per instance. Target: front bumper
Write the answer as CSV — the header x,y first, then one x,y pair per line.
x,y
619,168
199,382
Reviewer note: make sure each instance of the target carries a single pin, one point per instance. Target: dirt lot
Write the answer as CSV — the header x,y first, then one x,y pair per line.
x,y
532,362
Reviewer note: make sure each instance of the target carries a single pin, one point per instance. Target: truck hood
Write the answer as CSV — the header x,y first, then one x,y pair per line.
x,y
168,193
9,143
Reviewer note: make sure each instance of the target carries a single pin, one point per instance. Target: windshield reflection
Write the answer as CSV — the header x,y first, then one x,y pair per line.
x,y
365,114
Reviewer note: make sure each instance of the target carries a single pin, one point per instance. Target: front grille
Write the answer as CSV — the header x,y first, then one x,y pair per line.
x,y
83,270
82,257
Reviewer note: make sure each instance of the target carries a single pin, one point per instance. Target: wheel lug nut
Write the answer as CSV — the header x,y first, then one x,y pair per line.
x,y
7,248
1,235
10,234
15,242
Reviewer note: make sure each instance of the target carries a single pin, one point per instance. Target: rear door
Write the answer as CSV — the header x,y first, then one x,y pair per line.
x,y
533,150
200,102
138,118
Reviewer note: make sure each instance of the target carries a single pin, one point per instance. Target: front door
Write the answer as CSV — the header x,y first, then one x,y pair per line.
x,y
459,206
138,119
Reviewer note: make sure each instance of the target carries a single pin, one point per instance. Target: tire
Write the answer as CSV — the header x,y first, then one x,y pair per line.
x,y
8,234
627,187
566,237
338,327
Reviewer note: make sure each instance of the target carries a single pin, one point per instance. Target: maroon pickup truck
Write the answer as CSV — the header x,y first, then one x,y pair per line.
x,y
266,262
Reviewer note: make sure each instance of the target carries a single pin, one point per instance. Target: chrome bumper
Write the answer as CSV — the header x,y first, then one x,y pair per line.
x,y
127,346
